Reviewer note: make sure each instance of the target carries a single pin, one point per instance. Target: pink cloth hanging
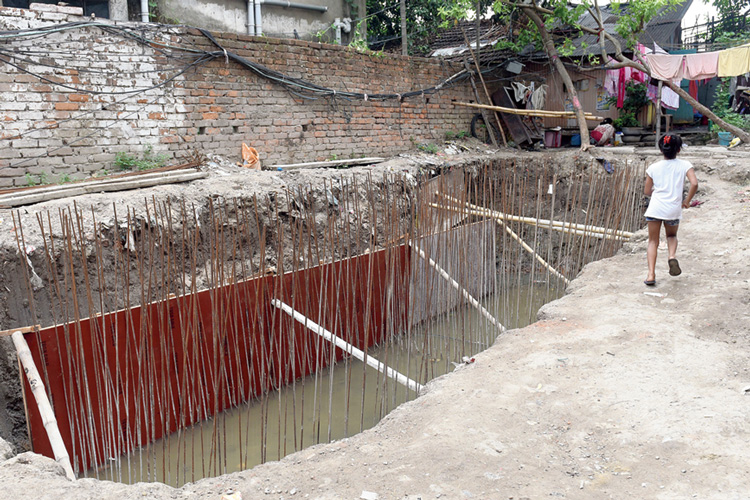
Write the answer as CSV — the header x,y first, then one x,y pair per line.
x,y
666,66
621,89
701,66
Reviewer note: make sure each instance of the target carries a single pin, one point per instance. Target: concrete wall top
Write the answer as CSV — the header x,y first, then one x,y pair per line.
x,y
275,20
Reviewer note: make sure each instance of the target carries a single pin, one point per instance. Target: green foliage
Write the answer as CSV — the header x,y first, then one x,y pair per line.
x,y
722,109
731,38
64,179
728,8
125,161
428,147
38,180
452,136
421,21
636,97
631,23
155,15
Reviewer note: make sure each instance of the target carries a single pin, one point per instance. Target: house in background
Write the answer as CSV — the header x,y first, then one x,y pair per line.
x,y
504,68
320,20
664,30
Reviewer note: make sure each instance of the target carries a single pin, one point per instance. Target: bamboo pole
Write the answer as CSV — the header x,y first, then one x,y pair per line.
x,y
543,222
530,221
658,114
45,409
474,302
528,112
97,182
346,346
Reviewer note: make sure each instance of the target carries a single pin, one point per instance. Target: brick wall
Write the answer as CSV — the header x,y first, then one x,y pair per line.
x,y
90,97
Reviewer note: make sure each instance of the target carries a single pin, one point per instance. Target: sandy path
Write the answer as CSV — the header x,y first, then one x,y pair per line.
x,y
612,394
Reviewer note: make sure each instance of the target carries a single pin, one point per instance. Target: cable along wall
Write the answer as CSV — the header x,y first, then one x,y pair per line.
x,y
76,94
164,317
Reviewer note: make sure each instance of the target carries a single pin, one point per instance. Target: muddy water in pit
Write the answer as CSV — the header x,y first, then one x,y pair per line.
x,y
337,402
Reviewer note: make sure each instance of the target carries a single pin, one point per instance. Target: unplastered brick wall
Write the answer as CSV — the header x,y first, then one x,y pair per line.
x,y
74,97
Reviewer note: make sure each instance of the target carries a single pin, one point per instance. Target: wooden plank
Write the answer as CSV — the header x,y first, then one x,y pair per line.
x,y
98,182
25,329
168,168
123,185
332,163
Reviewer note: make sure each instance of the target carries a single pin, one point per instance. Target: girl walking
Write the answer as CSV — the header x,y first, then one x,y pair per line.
x,y
665,181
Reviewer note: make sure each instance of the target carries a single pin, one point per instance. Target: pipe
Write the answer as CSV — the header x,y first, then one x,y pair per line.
x,y
258,19
294,5
342,344
42,401
144,11
250,17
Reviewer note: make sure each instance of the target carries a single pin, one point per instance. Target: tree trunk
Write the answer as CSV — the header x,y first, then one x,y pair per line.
x,y
404,36
738,132
549,46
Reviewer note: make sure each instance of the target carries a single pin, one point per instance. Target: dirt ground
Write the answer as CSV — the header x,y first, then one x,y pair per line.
x,y
618,391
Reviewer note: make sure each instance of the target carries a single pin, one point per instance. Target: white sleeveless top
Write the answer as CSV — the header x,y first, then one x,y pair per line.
x,y
669,181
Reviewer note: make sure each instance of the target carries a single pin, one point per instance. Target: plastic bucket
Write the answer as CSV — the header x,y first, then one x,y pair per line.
x,y
725,138
552,138
575,140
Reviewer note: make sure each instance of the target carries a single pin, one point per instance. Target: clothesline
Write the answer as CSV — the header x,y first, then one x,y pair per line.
x,y
699,66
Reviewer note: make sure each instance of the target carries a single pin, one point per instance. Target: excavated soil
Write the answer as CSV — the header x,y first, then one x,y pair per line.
x,y
618,391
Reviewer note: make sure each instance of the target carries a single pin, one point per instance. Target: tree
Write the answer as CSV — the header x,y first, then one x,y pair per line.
x,y
565,19
421,22
629,25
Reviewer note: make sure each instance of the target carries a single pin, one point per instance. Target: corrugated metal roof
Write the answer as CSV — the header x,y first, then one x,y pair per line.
x,y
450,43
661,29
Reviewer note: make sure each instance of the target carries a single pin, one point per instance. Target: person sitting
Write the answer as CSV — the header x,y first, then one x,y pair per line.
x,y
603,133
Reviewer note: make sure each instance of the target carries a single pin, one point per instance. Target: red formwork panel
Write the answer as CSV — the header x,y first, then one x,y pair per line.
x,y
127,378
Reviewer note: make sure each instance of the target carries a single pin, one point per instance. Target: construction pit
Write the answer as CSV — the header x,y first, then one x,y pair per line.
x,y
187,334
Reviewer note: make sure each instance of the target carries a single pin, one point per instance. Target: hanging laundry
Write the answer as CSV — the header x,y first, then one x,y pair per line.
x,y
652,92
734,61
611,80
621,89
518,90
693,89
539,97
666,66
669,98
701,66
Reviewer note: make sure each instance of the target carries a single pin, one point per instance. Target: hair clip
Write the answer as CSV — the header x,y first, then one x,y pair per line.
x,y
667,139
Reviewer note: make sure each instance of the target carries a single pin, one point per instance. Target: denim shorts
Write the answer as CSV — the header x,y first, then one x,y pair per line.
x,y
673,222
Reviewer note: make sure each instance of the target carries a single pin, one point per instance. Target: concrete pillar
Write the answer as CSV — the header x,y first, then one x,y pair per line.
x,y
118,10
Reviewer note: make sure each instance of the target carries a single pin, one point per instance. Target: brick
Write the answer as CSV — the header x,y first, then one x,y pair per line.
x,y
67,106
43,7
69,10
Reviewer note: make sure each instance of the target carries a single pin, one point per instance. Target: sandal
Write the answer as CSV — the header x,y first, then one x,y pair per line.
x,y
674,267
650,282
